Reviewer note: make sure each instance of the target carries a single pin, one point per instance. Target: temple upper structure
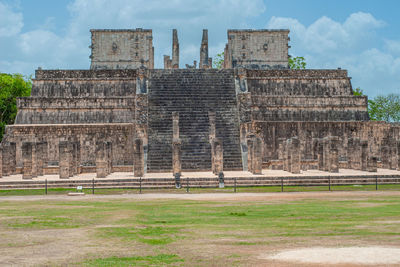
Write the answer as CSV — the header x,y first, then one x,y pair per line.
x,y
257,49
122,49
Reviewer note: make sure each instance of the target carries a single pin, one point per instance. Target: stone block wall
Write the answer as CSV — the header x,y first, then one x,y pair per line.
x,y
257,49
122,49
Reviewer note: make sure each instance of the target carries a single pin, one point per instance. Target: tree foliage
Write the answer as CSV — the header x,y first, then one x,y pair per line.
x,y
297,63
385,108
218,61
382,107
11,87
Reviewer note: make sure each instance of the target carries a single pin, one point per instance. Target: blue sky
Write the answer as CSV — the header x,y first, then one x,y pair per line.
x,y
360,36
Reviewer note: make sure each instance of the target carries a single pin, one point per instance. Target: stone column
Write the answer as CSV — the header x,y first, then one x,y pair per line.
x,y
364,155
74,148
326,152
372,164
9,158
101,159
281,152
250,143
40,158
288,155
27,160
34,159
218,156
212,136
175,49
398,155
1,161
385,156
176,145
64,159
138,158
320,155
334,154
257,155
109,158
295,156
393,154
13,157
204,64
354,153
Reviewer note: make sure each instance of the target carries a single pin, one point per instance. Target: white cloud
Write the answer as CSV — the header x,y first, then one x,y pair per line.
x,y
351,45
11,22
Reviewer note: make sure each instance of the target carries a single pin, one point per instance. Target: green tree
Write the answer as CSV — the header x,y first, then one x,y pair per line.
x,y
218,61
382,108
358,92
385,108
297,63
11,87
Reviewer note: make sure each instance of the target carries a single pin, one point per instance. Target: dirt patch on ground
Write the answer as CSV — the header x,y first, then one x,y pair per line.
x,y
214,196
346,255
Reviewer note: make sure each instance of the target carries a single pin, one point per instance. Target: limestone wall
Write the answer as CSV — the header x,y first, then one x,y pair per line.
x,y
309,108
41,110
122,49
299,82
257,49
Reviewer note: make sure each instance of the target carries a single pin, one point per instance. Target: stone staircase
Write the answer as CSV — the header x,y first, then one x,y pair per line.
x,y
192,93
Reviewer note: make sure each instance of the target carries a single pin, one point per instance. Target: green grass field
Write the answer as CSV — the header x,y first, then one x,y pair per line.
x,y
255,189
157,232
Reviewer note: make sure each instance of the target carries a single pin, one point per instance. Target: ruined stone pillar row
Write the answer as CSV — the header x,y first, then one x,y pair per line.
x,y
334,154
27,160
64,159
101,159
281,153
138,158
257,155
295,157
364,155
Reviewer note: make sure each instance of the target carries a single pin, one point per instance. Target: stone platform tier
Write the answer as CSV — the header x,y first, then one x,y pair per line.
x,y
193,94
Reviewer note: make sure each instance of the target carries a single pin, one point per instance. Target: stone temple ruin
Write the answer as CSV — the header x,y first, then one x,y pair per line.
x,y
254,113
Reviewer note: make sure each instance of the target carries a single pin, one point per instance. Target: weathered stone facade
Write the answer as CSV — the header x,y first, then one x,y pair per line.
x,y
254,113
122,49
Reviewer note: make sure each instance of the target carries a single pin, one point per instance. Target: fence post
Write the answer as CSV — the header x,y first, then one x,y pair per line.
x,y
329,180
140,184
376,182
187,185
234,185
93,186
281,184
45,184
